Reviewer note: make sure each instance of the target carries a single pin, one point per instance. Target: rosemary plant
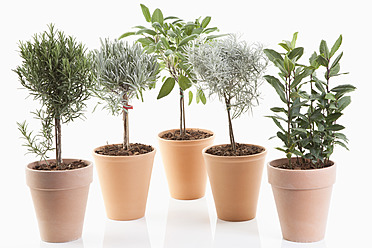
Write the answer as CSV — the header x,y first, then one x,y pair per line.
x,y
168,38
57,71
123,72
233,71
312,105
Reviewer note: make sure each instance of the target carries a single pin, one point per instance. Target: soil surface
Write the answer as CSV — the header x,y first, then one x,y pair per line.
x,y
117,150
64,166
300,164
189,135
241,150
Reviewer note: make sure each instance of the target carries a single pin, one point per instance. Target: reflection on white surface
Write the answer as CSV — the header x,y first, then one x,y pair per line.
x,y
126,234
289,244
188,224
236,234
73,244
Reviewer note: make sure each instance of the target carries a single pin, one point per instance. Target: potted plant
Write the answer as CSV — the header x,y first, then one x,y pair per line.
x,y
124,170
57,71
232,70
180,148
302,182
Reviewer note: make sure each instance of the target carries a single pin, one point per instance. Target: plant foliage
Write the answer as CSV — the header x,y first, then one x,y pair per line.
x,y
312,106
57,71
169,37
232,70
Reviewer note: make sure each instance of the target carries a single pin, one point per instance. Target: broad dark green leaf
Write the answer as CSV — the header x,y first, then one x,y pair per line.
x,y
283,137
146,31
145,41
165,42
333,117
335,127
341,144
278,110
343,103
166,88
205,21
187,39
323,49
341,136
146,13
126,35
344,88
334,71
322,61
288,65
313,60
184,82
278,86
296,53
157,16
272,55
336,46
330,96
335,62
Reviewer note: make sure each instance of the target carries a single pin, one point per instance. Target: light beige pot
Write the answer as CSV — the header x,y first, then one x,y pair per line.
x,y
184,165
302,200
235,183
124,182
60,199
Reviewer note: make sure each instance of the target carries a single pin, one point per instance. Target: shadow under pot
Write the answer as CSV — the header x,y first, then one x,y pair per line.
x,y
235,183
60,199
124,182
184,165
302,199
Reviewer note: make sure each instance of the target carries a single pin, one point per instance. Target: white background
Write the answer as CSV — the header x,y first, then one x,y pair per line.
x,y
171,223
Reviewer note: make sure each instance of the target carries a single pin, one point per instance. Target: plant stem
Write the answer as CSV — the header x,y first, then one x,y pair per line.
x,y
288,95
126,125
57,128
182,115
231,132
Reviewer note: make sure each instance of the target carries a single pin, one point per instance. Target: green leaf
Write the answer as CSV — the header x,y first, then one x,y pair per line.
x,y
341,144
209,30
201,96
323,49
335,127
273,55
334,71
205,21
336,46
341,136
335,62
184,82
171,17
126,35
190,97
344,88
330,96
278,110
187,39
283,137
288,64
343,103
210,37
313,60
294,39
333,117
322,61
146,13
165,42
278,86
147,31
277,123
285,46
166,88
157,16
145,41
296,53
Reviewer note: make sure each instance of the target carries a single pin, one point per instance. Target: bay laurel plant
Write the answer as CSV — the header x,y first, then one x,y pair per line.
x,y
312,104
56,70
232,70
123,72
168,37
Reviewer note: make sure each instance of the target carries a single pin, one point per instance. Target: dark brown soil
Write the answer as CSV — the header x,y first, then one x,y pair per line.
x,y
189,135
300,164
64,166
241,150
117,150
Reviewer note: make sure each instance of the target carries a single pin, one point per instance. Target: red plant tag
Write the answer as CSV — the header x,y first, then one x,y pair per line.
x,y
128,107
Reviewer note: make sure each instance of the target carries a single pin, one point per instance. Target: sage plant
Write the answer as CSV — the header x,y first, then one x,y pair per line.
x,y
168,38
56,70
232,70
123,72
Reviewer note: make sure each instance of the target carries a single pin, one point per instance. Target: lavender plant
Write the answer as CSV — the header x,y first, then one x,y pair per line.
x,y
57,71
168,38
312,106
232,70
123,72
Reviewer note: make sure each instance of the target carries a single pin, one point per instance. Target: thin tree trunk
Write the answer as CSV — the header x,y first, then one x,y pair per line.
x,y
231,132
182,115
126,124
57,128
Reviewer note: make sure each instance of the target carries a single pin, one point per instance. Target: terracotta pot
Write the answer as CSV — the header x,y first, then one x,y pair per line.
x,y
184,165
302,200
235,183
124,182
60,199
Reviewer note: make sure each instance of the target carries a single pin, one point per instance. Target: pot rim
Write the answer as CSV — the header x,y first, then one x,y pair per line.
x,y
186,141
90,163
236,157
299,171
117,157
